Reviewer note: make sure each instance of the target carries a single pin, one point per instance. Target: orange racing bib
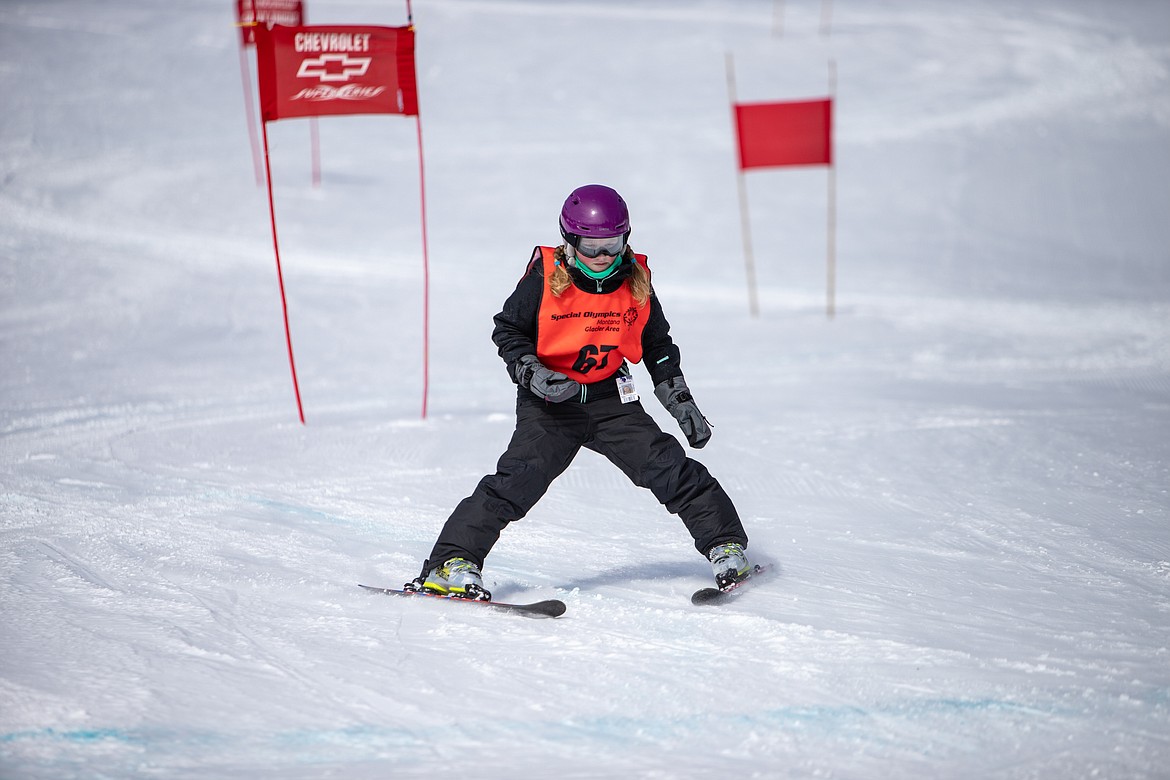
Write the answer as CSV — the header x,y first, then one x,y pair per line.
x,y
586,336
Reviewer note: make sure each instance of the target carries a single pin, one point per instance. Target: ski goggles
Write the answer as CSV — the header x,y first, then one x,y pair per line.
x,y
594,246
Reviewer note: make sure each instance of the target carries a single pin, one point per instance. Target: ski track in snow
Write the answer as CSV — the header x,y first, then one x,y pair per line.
x,y
961,480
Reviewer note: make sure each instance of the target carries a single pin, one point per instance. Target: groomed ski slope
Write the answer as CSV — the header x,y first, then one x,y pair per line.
x,y
961,479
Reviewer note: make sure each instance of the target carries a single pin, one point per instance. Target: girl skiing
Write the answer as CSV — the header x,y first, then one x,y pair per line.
x,y
578,314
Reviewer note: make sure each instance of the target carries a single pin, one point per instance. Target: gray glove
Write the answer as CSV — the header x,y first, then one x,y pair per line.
x,y
676,397
543,381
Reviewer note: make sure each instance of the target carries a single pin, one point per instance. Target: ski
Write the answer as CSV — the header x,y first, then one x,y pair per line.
x,y
549,608
718,596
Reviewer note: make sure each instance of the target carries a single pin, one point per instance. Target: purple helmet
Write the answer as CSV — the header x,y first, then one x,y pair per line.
x,y
594,211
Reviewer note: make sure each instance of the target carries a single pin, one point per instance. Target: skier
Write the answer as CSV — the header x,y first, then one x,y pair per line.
x,y
580,311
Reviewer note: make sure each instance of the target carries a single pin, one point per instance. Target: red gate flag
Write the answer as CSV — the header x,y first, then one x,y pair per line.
x,y
253,13
327,70
335,69
788,133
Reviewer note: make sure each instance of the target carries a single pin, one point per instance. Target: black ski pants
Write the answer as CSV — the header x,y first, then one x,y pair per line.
x,y
547,438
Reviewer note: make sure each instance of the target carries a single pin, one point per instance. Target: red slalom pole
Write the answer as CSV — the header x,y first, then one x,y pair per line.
x,y
422,192
315,150
280,277
248,113
422,198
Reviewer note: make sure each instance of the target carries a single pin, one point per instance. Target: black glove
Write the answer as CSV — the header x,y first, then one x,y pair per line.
x,y
543,381
676,397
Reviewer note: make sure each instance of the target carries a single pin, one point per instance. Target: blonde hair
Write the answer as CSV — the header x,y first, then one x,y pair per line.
x,y
639,279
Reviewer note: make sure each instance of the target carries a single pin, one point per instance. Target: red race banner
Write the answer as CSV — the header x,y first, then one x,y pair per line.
x,y
251,14
789,133
326,70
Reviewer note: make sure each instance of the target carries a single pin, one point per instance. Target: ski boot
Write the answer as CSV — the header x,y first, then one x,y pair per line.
x,y
729,564
457,578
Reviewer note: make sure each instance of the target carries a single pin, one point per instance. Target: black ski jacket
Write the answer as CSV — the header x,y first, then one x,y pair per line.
x,y
515,327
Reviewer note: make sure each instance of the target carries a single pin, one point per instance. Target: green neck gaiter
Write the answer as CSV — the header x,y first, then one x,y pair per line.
x,y
599,275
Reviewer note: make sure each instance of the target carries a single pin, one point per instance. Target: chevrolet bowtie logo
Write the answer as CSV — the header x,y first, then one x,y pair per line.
x,y
334,67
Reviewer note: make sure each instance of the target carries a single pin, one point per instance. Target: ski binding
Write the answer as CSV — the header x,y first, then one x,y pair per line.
x,y
720,595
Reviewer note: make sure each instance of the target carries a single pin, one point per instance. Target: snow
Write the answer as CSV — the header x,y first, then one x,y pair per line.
x,y
961,478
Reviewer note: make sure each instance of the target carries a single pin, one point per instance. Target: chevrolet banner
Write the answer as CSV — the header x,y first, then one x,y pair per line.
x,y
325,70
251,14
